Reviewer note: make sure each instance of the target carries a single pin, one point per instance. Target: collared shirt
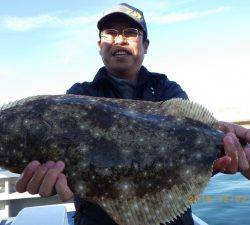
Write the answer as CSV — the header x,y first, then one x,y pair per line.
x,y
126,87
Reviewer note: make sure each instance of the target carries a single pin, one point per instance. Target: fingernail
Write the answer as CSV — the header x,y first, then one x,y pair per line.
x,y
50,164
59,164
230,139
229,159
34,163
20,177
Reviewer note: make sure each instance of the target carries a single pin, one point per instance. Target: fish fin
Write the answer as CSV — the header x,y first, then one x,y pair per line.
x,y
164,206
184,108
21,101
176,107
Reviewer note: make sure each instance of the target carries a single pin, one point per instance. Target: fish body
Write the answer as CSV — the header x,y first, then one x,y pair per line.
x,y
140,161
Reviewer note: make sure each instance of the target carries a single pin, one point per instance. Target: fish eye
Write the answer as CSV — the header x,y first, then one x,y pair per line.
x,y
182,138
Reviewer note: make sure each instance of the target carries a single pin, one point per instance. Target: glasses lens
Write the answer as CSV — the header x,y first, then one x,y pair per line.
x,y
130,33
109,34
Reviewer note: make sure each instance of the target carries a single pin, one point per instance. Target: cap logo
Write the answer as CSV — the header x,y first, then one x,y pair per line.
x,y
134,13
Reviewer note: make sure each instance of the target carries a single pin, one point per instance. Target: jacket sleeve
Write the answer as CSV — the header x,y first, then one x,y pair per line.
x,y
79,89
172,90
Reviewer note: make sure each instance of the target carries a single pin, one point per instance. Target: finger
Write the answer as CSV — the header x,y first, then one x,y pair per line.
x,y
240,131
47,187
231,151
221,164
242,159
21,185
36,180
247,152
248,136
62,188
49,164
225,127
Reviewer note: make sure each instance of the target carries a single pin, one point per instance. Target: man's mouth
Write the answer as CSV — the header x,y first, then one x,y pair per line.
x,y
120,53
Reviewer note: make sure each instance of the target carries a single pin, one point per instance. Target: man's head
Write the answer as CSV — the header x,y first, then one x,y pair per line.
x,y
123,41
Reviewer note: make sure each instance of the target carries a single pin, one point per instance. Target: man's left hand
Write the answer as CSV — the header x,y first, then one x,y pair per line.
x,y
237,158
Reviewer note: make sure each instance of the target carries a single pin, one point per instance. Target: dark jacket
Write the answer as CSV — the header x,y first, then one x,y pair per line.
x,y
149,87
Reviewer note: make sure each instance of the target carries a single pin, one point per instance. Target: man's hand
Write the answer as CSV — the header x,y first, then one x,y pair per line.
x,y
44,179
236,157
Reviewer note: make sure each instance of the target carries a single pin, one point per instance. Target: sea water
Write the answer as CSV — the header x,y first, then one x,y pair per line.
x,y
225,201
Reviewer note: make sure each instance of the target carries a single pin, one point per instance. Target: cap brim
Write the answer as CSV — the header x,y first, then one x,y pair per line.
x,y
101,23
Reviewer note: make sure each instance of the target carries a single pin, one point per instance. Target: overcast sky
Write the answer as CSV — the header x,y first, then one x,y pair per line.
x,y
47,46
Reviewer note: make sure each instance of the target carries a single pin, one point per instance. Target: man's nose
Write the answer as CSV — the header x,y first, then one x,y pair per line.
x,y
120,39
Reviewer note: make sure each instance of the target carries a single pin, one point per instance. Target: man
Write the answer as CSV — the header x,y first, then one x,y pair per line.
x,y
123,43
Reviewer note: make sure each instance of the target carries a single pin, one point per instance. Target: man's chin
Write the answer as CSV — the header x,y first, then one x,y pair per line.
x,y
120,72
121,68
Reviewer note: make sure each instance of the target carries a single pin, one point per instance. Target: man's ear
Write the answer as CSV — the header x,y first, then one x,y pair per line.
x,y
145,45
99,44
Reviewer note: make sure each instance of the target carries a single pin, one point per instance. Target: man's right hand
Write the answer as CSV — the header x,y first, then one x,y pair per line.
x,y
45,179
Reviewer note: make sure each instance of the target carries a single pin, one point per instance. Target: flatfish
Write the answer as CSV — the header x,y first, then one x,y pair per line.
x,y
139,160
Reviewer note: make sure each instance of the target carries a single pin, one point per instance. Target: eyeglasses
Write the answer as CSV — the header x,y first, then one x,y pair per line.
x,y
128,33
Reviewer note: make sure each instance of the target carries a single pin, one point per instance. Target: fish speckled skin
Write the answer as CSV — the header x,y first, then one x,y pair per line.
x,y
123,154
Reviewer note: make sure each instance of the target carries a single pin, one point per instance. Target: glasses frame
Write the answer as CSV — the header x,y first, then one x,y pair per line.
x,y
112,38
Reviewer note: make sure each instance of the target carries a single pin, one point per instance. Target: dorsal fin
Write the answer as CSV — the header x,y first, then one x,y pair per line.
x,y
184,108
176,107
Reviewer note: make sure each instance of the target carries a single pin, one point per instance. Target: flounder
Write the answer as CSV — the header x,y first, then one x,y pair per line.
x,y
139,160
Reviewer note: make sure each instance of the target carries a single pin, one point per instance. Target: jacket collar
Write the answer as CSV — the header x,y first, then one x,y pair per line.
x,y
102,76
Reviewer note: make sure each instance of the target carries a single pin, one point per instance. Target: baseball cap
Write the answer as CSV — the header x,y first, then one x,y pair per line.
x,y
124,9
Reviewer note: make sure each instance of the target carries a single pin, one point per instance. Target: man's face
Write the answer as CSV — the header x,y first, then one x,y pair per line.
x,y
122,56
